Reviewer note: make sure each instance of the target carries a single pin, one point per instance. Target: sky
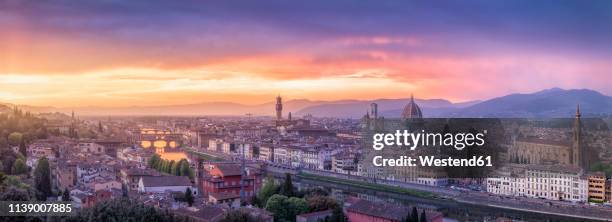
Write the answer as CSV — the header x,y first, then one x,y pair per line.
x,y
125,53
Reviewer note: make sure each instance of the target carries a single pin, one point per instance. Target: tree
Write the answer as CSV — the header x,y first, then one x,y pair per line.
x,y
174,169
42,178
66,195
319,203
285,209
185,169
414,216
170,166
123,209
15,138
189,196
8,159
163,164
269,188
338,215
124,190
22,148
241,215
19,167
255,201
2,179
17,194
407,218
287,188
423,217
296,206
154,161
100,128
277,205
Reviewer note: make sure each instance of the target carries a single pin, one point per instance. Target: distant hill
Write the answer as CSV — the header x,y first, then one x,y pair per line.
x,y
386,107
553,102
207,108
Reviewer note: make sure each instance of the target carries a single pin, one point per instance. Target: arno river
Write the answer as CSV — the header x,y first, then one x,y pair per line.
x,y
453,211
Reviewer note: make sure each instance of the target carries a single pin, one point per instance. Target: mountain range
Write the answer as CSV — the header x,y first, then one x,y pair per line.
x,y
554,102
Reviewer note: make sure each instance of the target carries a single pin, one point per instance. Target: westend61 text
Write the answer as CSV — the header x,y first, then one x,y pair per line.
x,y
475,161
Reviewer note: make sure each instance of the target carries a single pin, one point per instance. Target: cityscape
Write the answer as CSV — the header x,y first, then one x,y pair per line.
x,y
217,168
315,111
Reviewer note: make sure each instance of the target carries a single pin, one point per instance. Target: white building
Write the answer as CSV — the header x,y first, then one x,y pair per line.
x,y
266,153
215,144
106,184
552,182
228,147
281,156
37,150
90,147
247,148
556,183
295,156
507,182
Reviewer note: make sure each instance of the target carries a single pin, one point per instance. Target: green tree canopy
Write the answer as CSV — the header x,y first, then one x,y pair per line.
x,y
154,161
15,138
297,206
123,209
269,188
319,203
19,167
284,208
42,178
277,205
240,215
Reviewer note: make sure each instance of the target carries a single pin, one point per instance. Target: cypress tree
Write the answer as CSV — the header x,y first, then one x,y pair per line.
x,y
22,148
42,178
124,190
66,195
423,217
287,188
414,216
189,196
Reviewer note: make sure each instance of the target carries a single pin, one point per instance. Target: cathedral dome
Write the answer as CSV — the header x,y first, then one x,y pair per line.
x,y
412,110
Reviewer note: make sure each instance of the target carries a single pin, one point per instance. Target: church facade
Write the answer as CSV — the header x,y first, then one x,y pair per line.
x,y
542,151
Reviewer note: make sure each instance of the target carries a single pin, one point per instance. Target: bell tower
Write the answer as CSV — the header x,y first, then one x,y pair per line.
x,y
579,155
279,108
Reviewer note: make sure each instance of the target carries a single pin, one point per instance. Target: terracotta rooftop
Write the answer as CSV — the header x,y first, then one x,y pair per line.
x,y
543,141
229,169
224,195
